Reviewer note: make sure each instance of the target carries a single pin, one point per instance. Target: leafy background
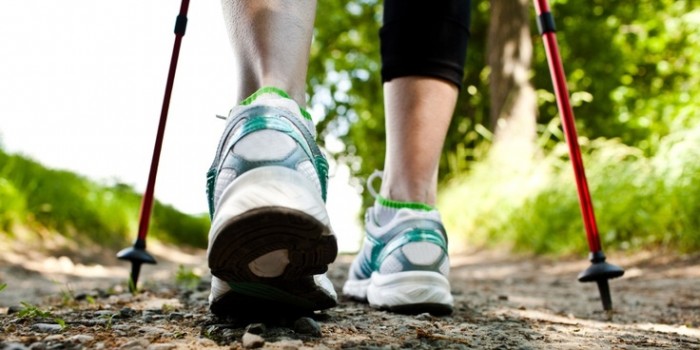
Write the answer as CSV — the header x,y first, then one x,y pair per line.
x,y
633,69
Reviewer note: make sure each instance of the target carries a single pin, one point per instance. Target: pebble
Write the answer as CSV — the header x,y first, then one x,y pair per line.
x,y
205,343
307,325
37,346
425,317
126,312
14,346
151,332
14,309
104,313
81,338
47,327
135,344
54,337
176,316
256,328
84,295
252,341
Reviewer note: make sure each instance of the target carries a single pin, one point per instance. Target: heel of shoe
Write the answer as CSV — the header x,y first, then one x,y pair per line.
x,y
411,292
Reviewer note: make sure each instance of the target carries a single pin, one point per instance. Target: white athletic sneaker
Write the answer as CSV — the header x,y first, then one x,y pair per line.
x,y
403,264
270,240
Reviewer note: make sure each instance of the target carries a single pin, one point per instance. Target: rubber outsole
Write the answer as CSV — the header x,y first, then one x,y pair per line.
x,y
407,292
258,232
415,309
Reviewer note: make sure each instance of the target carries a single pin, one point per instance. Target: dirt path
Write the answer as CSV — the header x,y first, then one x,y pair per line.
x,y
502,302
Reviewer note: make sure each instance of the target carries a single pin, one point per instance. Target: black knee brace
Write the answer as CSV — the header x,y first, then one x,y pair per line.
x,y
425,38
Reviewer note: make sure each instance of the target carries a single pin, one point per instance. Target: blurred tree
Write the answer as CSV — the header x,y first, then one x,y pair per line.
x,y
513,101
633,70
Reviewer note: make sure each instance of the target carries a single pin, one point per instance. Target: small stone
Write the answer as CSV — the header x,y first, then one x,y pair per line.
x,y
126,312
154,311
308,326
425,317
14,309
54,337
252,341
503,297
151,332
162,346
104,313
136,344
84,295
205,343
176,316
14,346
256,328
348,344
34,346
81,338
47,327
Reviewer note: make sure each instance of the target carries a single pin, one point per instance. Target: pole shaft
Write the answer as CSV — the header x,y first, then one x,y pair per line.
x,y
567,118
148,196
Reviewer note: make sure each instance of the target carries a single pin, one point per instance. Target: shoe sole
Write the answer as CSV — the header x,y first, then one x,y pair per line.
x,y
409,292
244,239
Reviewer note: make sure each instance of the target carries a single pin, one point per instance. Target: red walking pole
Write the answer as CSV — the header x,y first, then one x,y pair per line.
x,y
137,254
599,271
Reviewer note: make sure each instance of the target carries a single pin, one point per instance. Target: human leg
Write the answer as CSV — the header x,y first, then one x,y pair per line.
x,y
403,265
418,113
270,41
270,240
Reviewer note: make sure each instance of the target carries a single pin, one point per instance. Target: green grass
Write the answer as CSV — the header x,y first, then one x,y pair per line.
x,y
640,201
39,199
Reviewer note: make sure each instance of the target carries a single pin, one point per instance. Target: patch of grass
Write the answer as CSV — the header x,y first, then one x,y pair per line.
x,y
186,278
30,311
640,201
83,210
3,286
108,318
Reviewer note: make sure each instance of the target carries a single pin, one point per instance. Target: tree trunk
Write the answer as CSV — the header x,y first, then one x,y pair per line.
x,y
513,100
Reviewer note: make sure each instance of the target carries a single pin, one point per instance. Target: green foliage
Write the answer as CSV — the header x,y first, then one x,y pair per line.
x,y
82,210
108,320
3,286
640,201
30,311
345,83
633,69
186,278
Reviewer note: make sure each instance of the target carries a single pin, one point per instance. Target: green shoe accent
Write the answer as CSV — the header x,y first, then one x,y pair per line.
x,y
264,90
262,122
401,205
400,235
267,292
276,91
